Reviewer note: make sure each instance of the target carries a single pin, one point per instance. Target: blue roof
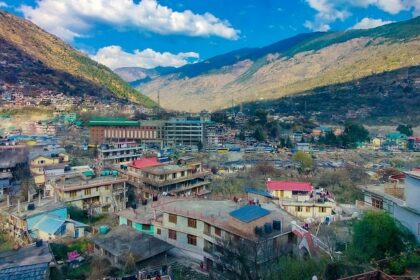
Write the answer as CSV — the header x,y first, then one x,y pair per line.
x,y
249,213
49,224
259,192
34,272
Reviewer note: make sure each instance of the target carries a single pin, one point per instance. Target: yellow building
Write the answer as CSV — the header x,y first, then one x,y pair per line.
x,y
376,142
285,190
38,163
304,210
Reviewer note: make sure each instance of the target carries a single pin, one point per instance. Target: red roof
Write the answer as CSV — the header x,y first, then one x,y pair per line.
x,y
144,162
289,186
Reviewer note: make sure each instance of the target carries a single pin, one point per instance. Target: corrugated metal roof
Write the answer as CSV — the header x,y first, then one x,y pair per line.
x,y
289,186
112,122
259,192
49,224
249,213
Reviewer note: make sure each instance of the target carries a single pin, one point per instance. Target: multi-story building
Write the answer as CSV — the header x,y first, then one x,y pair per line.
x,y
97,194
151,176
106,130
202,228
401,201
300,199
118,152
38,161
185,132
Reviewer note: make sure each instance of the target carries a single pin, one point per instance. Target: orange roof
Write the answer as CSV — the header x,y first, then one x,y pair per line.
x,y
144,162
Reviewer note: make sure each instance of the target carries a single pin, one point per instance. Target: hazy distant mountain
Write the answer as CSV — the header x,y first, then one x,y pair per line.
x,y
31,57
291,66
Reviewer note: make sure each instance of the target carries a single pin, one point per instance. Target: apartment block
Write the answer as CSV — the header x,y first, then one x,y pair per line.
x,y
118,152
104,193
201,228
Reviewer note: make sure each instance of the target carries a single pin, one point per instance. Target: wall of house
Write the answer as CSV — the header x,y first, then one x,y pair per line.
x,y
137,226
412,192
409,219
309,211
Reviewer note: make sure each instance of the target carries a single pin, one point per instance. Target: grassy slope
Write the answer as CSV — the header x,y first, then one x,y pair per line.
x,y
58,55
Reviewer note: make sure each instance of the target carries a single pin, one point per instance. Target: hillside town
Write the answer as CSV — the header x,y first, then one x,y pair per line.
x,y
209,140
157,196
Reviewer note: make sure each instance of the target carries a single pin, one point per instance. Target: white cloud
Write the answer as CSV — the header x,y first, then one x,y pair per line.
x,y
74,18
329,11
3,4
115,57
326,13
367,23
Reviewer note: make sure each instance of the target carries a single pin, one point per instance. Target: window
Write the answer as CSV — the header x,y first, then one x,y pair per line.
x,y
207,229
322,209
172,234
145,227
218,231
192,223
107,187
129,223
159,231
377,203
308,209
172,218
88,192
298,208
192,239
73,194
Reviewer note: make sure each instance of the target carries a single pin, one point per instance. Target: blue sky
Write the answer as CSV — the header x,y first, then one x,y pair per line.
x,y
152,33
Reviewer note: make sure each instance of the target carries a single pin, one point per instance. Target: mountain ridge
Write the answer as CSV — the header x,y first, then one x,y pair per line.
x,y
289,66
25,38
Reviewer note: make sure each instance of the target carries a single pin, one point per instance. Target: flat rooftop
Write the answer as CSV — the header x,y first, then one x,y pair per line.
x,y
123,239
217,212
47,204
165,169
80,182
30,255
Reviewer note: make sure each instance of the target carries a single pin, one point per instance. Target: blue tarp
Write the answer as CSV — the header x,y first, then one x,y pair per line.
x,y
249,213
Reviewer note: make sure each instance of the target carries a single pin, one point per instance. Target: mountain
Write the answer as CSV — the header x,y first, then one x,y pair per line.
x,y
136,76
288,67
31,57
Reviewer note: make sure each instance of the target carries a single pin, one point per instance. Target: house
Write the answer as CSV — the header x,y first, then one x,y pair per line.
x,y
201,228
97,193
45,219
123,241
286,190
396,140
151,176
39,160
140,219
401,201
31,262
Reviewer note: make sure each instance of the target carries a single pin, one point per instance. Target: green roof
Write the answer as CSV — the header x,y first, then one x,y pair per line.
x,y
102,121
88,173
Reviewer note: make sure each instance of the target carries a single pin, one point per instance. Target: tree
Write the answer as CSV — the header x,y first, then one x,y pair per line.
x,y
405,129
261,114
378,235
259,134
304,159
100,268
353,134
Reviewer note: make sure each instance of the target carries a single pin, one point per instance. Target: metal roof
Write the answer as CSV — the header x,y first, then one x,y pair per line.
x,y
112,122
258,192
249,213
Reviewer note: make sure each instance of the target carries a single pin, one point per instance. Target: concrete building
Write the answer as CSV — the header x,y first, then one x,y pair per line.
x,y
104,193
40,160
44,219
31,262
201,228
118,152
403,206
122,241
152,177
106,130
286,190
185,132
